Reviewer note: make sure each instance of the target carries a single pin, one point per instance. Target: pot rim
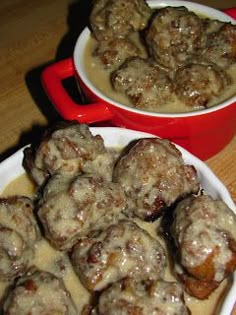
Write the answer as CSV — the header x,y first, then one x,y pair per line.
x,y
78,56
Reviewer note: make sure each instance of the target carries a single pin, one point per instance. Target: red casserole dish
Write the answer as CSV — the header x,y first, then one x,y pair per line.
x,y
204,132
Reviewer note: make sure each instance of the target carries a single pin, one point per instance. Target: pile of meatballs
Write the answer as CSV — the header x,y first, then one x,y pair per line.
x,y
90,204
183,57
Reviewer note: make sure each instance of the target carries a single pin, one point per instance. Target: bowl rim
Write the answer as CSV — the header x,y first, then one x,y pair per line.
x,y
78,57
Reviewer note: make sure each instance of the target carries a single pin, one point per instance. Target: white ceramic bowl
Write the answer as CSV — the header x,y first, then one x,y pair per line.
x,y
11,168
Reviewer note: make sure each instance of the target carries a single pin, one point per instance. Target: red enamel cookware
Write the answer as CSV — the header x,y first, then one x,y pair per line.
x,y
203,132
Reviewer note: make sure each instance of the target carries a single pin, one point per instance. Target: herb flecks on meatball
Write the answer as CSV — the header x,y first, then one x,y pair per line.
x,y
72,207
18,235
174,35
145,84
66,148
142,297
123,249
112,53
111,19
197,85
39,293
203,230
154,176
221,46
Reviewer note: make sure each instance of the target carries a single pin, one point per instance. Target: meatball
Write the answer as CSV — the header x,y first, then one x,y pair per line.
x,y
102,166
18,234
203,230
112,53
146,85
117,18
211,26
68,147
174,34
142,297
196,85
123,249
221,46
154,176
39,293
72,207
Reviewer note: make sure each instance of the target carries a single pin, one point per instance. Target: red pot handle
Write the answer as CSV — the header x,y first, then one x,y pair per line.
x,y
231,12
52,77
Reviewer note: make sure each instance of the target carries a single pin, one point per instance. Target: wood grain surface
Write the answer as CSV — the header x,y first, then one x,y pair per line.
x,y
36,33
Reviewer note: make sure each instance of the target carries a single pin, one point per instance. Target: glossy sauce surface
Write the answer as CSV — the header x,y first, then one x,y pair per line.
x,y
101,81
49,259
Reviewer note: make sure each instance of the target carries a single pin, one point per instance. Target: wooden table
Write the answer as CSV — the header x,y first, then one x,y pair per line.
x,y
35,33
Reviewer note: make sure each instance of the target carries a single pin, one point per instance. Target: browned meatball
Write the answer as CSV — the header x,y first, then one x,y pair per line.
x,y
39,293
173,35
146,85
154,176
197,85
112,53
68,147
204,231
18,234
121,250
221,46
73,206
211,26
142,297
118,18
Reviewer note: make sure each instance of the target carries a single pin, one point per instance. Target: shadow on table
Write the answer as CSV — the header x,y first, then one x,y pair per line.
x,y
77,19
32,136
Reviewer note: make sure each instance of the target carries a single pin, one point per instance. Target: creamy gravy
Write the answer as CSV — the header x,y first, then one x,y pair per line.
x,y
100,78
49,259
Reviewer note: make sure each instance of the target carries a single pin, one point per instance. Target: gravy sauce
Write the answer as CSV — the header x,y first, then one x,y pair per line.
x,y
100,78
58,263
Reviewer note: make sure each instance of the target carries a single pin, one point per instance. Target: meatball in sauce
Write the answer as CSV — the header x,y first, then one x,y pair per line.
x,y
111,18
122,249
18,234
71,207
196,84
170,41
103,251
39,293
112,53
142,297
67,148
173,36
145,84
221,46
154,176
205,238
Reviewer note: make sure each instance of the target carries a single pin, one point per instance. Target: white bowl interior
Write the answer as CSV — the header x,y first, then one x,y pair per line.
x,y
11,168
79,49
